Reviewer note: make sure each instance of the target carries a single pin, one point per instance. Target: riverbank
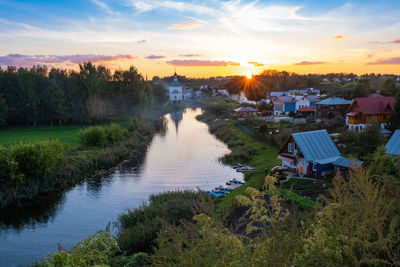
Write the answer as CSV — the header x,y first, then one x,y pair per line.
x,y
79,163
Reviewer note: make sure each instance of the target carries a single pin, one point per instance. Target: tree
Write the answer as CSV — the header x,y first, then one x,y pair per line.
x,y
370,139
3,111
394,118
389,87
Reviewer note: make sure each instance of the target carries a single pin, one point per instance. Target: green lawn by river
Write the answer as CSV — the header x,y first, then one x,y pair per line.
x,y
68,135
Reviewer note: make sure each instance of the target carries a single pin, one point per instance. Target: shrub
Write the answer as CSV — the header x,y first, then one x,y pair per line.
x,y
98,249
133,124
139,227
29,161
94,136
115,133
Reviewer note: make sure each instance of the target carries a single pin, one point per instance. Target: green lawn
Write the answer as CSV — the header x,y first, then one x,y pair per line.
x,y
265,157
66,134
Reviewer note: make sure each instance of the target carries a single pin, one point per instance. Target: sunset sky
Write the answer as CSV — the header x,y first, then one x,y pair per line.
x,y
204,38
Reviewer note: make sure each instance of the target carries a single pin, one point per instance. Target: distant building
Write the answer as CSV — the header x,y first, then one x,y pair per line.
x,y
246,112
175,89
284,105
332,107
365,110
314,99
313,152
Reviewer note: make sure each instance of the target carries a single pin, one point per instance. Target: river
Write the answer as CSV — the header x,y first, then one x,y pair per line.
x,y
185,156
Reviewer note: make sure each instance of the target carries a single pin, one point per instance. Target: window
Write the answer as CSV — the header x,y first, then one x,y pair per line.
x,y
290,147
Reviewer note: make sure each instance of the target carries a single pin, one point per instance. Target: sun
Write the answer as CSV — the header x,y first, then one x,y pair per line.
x,y
249,75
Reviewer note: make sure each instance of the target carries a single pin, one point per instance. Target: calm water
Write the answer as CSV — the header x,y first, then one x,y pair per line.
x,y
185,156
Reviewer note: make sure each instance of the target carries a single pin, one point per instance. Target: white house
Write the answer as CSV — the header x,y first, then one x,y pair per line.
x,y
301,102
175,90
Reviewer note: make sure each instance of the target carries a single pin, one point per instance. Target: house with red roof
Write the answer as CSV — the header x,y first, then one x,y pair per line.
x,y
365,110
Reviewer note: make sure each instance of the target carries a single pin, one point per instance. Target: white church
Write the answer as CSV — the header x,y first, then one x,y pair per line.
x,y
177,91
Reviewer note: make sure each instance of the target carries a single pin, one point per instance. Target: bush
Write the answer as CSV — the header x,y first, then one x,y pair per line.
x,y
133,124
139,227
94,136
98,249
115,133
29,161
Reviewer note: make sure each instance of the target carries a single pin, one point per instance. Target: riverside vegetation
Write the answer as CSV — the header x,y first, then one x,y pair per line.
x,y
42,164
355,223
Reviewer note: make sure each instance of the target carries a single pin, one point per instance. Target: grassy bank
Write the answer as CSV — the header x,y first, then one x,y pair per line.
x,y
67,135
80,162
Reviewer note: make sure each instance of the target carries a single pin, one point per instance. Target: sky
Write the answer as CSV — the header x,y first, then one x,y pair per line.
x,y
204,38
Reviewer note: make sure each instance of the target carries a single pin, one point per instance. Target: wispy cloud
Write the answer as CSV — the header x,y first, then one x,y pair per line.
x,y
30,60
104,6
338,36
143,6
202,63
190,55
305,63
388,61
186,25
256,64
154,57
141,41
397,41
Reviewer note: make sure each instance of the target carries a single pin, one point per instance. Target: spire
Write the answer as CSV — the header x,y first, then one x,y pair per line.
x,y
175,76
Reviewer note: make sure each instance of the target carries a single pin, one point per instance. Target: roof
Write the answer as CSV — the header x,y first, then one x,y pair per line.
x,y
176,92
375,105
278,94
246,109
353,113
307,109
317,146
313,98
393,146
335,101
345,162
287,99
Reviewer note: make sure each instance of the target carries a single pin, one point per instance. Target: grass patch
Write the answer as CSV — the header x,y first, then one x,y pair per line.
x,y
67,135
264,157
303,202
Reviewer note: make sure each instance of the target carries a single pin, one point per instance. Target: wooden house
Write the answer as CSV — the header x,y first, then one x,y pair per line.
x,y
365,110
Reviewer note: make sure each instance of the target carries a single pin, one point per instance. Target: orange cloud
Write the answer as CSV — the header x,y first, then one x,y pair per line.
x,y
338,36
202,63
256,64
397,41
305,63
186,25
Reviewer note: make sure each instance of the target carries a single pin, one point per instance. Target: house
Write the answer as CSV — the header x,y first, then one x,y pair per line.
x,y
175,89
284,105
246,112
393,146
276,94
313,152
314,99
332,107
306,112
301,102
364,110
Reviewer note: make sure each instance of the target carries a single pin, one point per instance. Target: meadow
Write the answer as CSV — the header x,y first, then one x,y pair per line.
x,y
67,135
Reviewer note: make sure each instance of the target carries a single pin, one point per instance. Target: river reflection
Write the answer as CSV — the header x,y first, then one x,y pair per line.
x,y
184,156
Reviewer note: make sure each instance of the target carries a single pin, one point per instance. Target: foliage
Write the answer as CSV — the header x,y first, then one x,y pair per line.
x,y
92,94
133,124
262,215
382,165
370,139
22,162
394,118
140,226
115,133
357,225
93,136
98,249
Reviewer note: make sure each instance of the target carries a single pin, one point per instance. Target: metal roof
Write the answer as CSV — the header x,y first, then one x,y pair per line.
x,y
246,109
345,162
335,101
393,146
278,93
316,146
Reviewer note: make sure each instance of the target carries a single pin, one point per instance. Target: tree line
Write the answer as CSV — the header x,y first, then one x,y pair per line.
x,y
58,96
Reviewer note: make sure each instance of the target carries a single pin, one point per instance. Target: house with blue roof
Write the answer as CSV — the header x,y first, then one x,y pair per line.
x,y
393,146
284,104
334,107
314,153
